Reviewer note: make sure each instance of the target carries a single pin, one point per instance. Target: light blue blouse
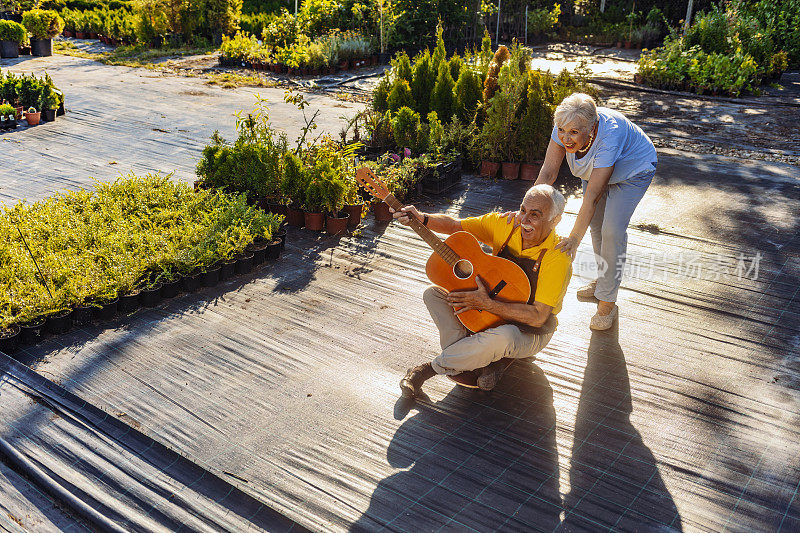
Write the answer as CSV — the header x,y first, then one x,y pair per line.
x,y
619,142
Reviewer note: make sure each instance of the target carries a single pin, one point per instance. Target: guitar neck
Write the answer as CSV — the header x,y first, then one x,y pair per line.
x,y
439,246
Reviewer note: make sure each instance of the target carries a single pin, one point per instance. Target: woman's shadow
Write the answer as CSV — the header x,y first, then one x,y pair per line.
x,y
473,461
614,480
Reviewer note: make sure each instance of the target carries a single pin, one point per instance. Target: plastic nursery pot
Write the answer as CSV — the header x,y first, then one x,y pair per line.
x,y
42,47
381,210
294,217
337,224
192,282
489,169
49,115
510,170
530,171
9,49
282,236
354,211
273,250
82,315
244,262
59,323
151,296
9,339
106,310
32,331
314,221
172,288
33,118
259,249
227,269
210,276
129,302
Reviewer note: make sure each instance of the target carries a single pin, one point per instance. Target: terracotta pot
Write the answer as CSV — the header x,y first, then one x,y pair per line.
x,y
33,118
628,44
295,217
337,224
80,34
20,110
381,210
619,44
67,33
510,170
354,211
637,78
530,171
314,221
489,169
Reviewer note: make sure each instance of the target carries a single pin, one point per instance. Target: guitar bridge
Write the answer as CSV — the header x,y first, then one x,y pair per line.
x,y
497,288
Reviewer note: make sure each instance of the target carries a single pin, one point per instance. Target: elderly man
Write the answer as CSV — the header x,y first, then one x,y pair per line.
x,y
530,241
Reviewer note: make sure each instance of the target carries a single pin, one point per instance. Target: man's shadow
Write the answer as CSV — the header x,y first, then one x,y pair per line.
x,y
614,480
473,461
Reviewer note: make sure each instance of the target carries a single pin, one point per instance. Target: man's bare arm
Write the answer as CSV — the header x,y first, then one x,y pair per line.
x,y
535,314
439,223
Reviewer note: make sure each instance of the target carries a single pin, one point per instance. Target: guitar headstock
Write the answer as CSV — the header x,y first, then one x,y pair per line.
x,y
367,179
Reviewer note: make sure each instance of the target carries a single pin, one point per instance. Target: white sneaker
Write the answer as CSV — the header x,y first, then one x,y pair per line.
x,y
603,322
587,291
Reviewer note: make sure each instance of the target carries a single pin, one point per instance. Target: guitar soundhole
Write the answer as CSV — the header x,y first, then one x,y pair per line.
x,y
462,269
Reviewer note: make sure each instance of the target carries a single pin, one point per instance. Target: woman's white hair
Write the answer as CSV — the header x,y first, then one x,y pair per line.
x,y
553,194
578,109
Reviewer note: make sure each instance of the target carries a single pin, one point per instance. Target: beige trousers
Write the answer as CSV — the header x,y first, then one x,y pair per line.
x,y
463,351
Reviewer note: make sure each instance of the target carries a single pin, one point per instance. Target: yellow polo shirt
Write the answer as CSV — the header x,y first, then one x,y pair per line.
x,y
556,269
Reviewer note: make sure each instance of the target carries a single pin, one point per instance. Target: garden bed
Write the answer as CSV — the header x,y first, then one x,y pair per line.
x,y
83,255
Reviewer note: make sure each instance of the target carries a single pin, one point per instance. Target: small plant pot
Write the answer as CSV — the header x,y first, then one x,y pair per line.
x,y
107,310
192,282
489,169
510,170
80,35
273,250
42,47
32,331
171,289
59,323
337,224
381,211
10,339
295,217
530,171
82,315
33,118
314,221
61,111
128,303
244,263
9,49
259,250
354,212
227,270
211,276
49,115
152,296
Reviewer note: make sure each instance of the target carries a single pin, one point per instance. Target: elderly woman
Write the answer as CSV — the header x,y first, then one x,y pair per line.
x,y
616,161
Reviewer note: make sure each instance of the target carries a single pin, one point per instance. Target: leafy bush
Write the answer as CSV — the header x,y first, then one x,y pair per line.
x,y
7,110
406,128
467,94
42,23
400,96
422,83
13,31
442,100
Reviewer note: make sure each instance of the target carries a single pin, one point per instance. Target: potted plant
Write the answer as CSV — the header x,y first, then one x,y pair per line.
x,y
43,25
33,117
353,203
536,124
314,203
8,117
12,36
292,188
48,103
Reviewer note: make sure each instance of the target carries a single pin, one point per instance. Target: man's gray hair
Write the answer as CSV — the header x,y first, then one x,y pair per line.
x,y
555,196
577,108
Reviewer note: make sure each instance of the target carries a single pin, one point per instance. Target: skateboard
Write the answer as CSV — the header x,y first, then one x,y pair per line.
x,y
470,378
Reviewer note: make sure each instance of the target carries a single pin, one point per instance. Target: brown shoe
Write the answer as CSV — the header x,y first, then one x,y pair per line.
x,y
490,375
411,384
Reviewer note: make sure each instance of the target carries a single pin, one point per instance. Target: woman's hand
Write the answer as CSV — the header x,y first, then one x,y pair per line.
x,y
569,245
511,216
405,214
469,300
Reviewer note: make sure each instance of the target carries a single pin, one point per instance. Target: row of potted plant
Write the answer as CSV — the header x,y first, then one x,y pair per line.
x,y
82,256
41,25
27,92
111,26
326,54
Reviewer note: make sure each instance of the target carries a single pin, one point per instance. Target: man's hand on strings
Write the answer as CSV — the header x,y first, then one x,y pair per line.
x,y
468,300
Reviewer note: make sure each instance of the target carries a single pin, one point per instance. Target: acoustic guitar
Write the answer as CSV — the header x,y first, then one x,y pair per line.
x,y
456,261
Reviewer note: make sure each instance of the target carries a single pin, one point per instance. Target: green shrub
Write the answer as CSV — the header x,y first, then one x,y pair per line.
x,y
400,95
424,80
401,66
455,64
6,110
42,23
294,181
221,16
442,100
405,127
13,31
380,94
467,94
